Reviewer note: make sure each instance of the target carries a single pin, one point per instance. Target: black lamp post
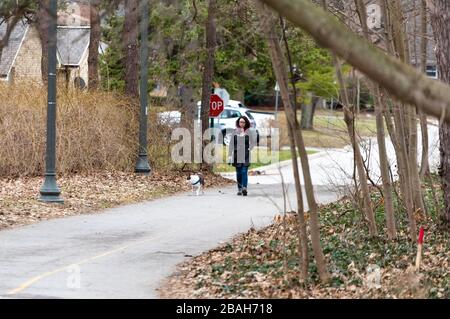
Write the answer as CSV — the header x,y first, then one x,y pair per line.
x,y
49,190
142,165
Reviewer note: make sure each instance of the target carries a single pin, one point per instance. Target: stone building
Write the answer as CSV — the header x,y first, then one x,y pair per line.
x,y
72,53
20,59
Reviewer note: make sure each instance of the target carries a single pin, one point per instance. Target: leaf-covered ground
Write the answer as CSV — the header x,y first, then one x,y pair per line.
x,y
264,264
19,203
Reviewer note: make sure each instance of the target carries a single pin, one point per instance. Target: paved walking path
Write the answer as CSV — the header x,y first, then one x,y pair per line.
x,y
125,252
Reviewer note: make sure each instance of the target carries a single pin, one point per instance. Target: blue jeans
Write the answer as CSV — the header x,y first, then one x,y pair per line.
x,y
242,176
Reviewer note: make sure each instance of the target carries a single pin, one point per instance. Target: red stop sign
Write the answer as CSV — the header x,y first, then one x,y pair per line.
x,y
215,105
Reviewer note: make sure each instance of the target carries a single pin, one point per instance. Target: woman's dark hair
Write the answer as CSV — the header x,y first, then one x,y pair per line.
x,y
247,122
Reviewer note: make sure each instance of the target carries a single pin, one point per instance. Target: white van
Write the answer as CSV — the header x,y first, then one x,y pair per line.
x,y
237,104
227,119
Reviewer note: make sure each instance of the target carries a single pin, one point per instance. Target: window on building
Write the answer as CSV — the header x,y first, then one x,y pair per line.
x,y
432,71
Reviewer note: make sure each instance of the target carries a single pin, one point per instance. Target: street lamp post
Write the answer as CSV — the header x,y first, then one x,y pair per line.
x,y
142,165
49,190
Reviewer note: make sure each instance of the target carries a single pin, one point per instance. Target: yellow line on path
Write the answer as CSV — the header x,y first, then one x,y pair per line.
x,y
33,280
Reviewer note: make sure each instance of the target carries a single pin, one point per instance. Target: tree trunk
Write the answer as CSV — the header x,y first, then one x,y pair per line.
x,y
349,120
43,22
307,121
395,43
384,167
444,171
130,40
279,67
302,234
408,116
188,114
396,134
208,67
403,81
424,166
381,139
94,42
415,177
291,66
405,174
440,20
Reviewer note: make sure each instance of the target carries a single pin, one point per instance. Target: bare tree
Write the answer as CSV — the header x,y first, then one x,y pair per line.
x,y
424,166
130,41
280,71
43,22
349,119
208,67
403,81
302,232
384,165
404,118
440,20
94,42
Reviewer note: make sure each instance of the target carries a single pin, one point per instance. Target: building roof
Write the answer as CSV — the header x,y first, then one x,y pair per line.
x,y
12,47
73,42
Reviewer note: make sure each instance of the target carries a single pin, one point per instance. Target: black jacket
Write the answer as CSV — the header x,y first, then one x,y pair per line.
x,y
240,148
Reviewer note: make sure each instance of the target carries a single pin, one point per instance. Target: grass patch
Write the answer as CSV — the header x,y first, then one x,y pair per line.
x,y
261,156
330,130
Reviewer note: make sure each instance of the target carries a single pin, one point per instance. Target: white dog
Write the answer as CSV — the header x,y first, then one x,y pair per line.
x,y
197,182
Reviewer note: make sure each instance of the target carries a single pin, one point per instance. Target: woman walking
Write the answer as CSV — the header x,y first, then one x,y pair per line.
x,y
241,144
